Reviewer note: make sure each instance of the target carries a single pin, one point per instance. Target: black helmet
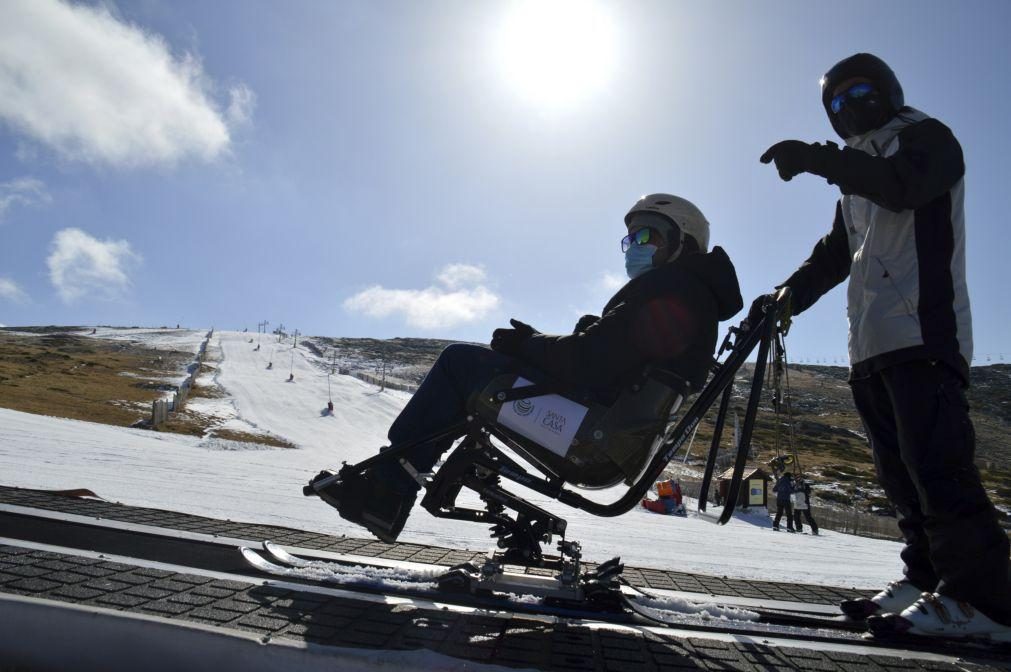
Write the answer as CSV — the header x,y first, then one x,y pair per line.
x,y
872,68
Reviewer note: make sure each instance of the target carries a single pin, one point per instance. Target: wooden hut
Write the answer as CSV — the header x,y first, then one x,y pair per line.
x,y
754,486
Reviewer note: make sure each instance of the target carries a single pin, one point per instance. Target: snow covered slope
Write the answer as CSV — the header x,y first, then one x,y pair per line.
x,y
248,483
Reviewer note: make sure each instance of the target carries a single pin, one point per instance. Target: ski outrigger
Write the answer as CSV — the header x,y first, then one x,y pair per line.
x,y
631,441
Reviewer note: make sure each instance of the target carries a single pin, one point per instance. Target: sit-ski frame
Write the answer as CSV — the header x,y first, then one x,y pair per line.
x,y
479,465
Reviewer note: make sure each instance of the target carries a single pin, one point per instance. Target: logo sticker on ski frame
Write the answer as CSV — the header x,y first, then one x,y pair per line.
x,y
550,420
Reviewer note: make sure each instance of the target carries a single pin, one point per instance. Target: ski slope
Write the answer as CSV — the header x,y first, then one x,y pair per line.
x,y
253,483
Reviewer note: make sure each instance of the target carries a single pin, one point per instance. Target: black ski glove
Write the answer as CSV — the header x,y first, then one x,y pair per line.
x,y
757,309
584,323
792,158
508,341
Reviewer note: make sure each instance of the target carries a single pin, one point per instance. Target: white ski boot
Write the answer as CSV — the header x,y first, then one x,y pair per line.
x,y
896,597
935,615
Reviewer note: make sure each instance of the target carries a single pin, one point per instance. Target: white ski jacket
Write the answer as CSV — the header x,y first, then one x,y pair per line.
x,y
899,235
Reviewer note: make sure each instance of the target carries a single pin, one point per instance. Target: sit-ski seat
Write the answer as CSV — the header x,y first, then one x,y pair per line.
x,y
586,444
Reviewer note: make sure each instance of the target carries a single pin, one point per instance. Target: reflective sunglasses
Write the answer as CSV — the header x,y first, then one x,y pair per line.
x,y
856,91
640,237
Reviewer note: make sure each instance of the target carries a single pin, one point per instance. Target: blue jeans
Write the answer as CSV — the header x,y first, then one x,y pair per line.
x,y
461,371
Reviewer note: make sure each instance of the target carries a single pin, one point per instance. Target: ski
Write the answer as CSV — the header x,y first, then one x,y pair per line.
x,y
768,617
656,610
793,618
422,586
645,610
257,561
284,556
331,572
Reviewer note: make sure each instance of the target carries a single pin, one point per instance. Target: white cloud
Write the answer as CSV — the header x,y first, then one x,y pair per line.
x,y
454,276
599,292
10,291
80,265
460,299
93,88
241,102
23,191
612,282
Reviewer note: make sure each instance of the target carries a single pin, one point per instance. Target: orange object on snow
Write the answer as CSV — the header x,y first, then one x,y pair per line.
x,y
669,489
670,498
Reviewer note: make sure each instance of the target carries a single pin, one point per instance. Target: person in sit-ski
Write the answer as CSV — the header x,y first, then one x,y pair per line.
x,y
667,315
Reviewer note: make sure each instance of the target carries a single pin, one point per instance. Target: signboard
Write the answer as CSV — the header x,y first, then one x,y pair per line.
x,y
550,420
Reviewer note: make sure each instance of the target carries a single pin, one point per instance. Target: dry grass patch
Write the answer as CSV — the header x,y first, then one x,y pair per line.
x,y
197,424
71,376
67,375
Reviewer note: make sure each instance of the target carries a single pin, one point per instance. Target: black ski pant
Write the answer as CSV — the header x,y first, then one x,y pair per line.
x,y
781,508
917,419
461,370
810,520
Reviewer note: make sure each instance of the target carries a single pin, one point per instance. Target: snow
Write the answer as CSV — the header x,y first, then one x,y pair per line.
x,y
184,340
258,484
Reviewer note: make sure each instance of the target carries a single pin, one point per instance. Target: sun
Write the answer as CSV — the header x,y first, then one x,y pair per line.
x,y
556,53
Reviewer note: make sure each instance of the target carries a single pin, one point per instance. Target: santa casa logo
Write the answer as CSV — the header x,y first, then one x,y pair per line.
x,y
554,422
523,407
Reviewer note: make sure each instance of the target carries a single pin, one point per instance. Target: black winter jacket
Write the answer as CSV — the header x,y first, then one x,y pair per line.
x,y
783,489
668,316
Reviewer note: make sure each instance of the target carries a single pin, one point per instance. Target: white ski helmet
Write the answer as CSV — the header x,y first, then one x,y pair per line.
x,y
683,213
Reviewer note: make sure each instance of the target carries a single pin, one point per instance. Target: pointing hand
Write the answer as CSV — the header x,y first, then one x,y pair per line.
x,y
792,157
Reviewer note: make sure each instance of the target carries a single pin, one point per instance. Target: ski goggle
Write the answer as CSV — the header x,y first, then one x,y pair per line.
x,y
856,91
640,237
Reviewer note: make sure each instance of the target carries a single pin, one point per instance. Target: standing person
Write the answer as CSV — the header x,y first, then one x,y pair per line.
x,y
783,490
801,500
667,315
899,235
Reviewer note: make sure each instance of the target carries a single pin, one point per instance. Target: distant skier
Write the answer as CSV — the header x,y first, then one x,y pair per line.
x,y
669,500
801,502
899,235
667,315
783,490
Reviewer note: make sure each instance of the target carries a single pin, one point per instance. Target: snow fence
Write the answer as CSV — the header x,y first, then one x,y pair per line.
x,y
160,408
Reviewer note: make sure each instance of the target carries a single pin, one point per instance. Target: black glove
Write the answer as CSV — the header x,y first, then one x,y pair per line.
x,y
756,311
508,341
792,158
584,323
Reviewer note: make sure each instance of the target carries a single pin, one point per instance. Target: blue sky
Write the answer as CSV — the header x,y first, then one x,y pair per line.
x,y
412,169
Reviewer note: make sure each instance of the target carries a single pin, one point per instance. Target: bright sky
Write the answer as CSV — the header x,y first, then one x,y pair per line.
x,y
433,168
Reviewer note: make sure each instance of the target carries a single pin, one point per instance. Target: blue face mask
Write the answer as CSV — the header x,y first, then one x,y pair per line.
x,y
639,259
